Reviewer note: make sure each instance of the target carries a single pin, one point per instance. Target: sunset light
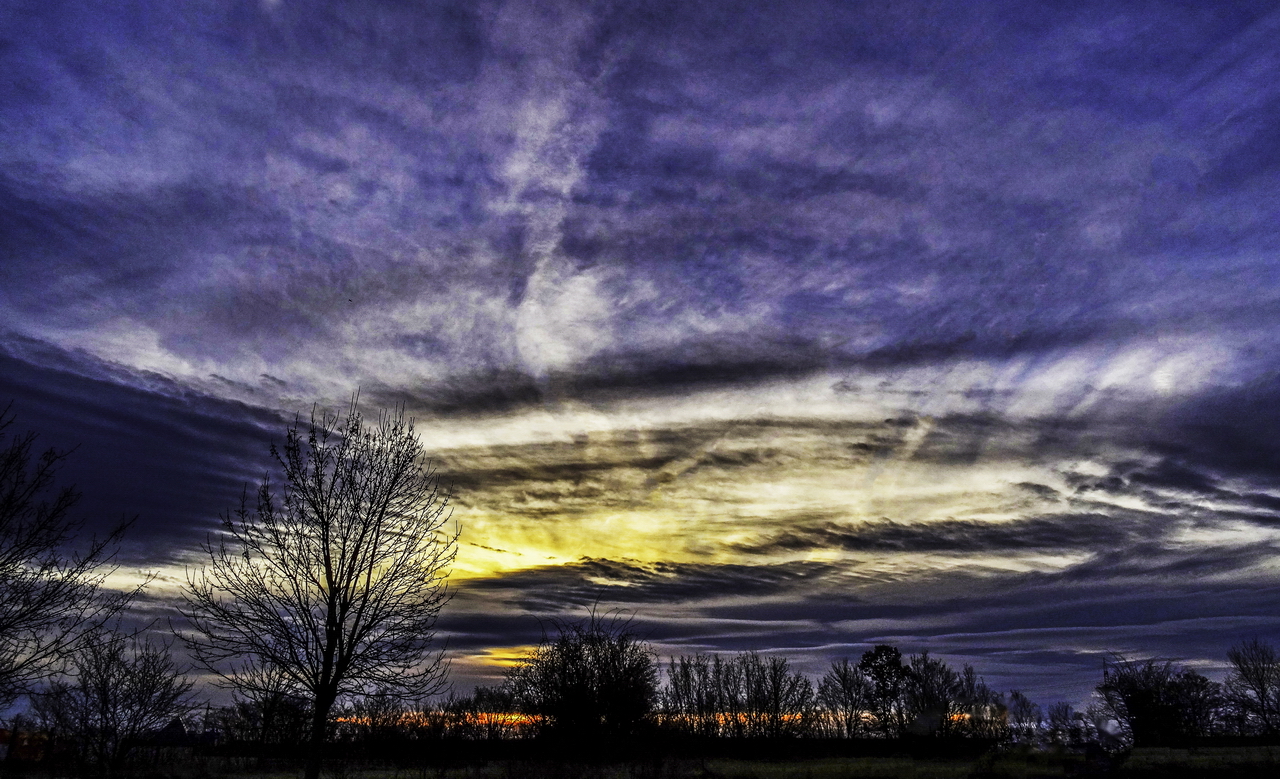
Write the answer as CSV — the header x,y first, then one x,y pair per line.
x,y
786,331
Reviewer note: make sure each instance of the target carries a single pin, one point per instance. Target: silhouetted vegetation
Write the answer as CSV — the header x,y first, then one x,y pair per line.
x,y
593,679
318,608
1252,690
888,677
269,709
334,583
743,696
845,694
1158,704
489,714
50,597
123,689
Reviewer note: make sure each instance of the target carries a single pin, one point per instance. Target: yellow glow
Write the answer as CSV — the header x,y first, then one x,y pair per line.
x,y
502,657
720,493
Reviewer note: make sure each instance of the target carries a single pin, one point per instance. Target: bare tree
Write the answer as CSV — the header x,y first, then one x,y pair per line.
x,y
779,701
691,698
978,710
743,696
269,708
1025,718
1253,686
845,693
49,596
339,579
731,692
123,689
488,714
1068,727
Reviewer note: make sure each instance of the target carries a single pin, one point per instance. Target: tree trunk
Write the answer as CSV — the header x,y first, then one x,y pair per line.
x,y
319,733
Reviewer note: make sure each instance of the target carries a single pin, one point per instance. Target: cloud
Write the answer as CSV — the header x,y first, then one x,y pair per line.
x,y
141,445
1069,532
559,588
724,311
609,201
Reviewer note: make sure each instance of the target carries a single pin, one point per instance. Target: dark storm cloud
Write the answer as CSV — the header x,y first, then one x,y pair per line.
x,y
474,625
1236,429
140,446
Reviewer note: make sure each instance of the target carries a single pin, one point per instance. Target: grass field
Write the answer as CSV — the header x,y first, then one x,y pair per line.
x,y
839,768
1246,763
834,768
1224,762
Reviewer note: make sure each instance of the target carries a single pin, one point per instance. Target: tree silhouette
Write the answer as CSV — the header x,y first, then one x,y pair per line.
x,y
690,697
336,582
1253,685
845,692
977,710
932,690
1066,726
269,708
883,666
779,701
594,679
485,714
745,695
1025,718
1156,703
49,596
123,689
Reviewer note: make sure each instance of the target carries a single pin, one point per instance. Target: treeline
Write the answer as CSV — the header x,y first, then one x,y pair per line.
x,y
597,680
596,683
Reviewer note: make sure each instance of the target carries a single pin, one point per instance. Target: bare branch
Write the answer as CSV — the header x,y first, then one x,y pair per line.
x,y
335,580
49,596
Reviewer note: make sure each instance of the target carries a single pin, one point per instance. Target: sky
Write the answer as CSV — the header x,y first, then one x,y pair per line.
x,y
795,327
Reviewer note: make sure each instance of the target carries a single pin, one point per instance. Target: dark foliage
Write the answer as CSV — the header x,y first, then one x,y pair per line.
x,y
1158,704
594,679
888,676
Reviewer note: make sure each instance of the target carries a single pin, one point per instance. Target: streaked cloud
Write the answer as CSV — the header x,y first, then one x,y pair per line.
x,y
788,328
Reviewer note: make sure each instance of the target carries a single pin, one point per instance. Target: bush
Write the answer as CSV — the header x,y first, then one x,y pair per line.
x,y
595,679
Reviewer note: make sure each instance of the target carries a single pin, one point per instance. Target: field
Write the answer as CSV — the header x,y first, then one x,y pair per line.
x,y
1215,762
